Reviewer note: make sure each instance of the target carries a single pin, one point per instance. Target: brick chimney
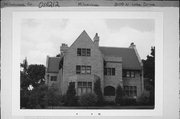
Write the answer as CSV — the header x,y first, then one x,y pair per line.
x,y
96,40
63,48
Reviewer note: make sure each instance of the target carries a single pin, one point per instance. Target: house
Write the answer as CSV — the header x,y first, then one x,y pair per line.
x,y
85,61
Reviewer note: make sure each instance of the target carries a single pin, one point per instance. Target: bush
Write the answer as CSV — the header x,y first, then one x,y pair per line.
x,y
38,98
127,101
54,99
89,99
98,92
119,95
143,100
109,103
70,97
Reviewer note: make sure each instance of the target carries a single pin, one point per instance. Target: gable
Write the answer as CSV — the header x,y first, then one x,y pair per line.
x,y
83,39
129,57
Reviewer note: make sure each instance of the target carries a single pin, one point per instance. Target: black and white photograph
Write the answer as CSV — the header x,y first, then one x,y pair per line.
x,y
87,63
89,59
90,62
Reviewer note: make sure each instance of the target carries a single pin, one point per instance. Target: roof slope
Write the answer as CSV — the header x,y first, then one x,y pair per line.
x,y
53,64
129,57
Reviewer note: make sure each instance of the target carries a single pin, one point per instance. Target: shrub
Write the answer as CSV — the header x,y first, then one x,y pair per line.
x,y
98,92
119,95
38,98
89,99
54,99
143,99
70,97
127,101
109,103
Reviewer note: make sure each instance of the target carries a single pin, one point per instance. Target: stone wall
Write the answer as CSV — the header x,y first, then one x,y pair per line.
x,y
71,60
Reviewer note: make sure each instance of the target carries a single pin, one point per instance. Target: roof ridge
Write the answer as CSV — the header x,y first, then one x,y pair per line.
x,y
114,47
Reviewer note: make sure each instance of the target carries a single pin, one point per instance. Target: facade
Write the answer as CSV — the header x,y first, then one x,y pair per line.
x,y
85,61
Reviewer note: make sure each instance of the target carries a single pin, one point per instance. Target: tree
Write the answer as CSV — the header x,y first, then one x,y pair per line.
x,y
119,95
98,92
71,99
149,72
36,74
149,65
30,76
38,98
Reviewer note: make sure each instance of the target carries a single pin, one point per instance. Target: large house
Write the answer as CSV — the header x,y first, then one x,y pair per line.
x,y
85,61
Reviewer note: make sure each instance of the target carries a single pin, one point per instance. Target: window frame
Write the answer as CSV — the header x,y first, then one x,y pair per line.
x,y
109,71
130,91
53,78
84,86
83,52
129,73
83,69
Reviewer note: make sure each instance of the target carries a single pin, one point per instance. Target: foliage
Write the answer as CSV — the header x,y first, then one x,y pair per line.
x,y
119,95
149,65
70,98
98,92
32,76
109,103
143,99
36,74
127,101
88,99
54,99
149,72
38,98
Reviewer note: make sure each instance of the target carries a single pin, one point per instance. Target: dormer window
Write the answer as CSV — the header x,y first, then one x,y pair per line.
x,y
83,52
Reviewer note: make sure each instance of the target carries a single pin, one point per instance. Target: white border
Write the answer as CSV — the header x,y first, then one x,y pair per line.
x,y
90,14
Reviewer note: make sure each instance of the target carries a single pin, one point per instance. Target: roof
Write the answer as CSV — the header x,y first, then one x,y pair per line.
x,y
129,57
53,64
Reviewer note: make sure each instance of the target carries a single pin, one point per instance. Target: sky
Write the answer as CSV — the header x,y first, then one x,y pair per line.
x,y
42,37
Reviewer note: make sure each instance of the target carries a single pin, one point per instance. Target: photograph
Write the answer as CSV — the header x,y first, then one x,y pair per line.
x,y
87,63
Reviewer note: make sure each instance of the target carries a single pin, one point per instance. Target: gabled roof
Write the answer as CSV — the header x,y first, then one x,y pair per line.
x,y
53,64
82,36
129,57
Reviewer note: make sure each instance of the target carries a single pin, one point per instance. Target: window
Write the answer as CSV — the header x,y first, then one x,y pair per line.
x,y
82,69
78,52
129,73
84,87
130,91
53,78
88,69
83,52
78,69
109,71
132,74
88,52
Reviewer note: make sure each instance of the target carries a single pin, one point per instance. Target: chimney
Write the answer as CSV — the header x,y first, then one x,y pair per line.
x,y
132,45
96,40
63,48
